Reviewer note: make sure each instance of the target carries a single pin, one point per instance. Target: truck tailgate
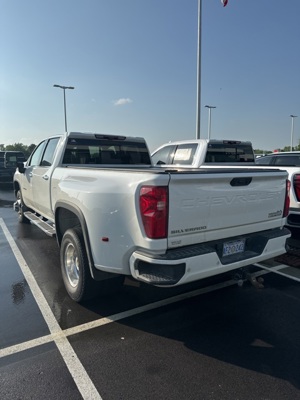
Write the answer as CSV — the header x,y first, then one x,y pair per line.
x,y
204,204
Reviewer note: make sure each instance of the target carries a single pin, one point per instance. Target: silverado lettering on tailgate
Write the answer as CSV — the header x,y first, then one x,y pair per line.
x,y
229,200
275,214
188,230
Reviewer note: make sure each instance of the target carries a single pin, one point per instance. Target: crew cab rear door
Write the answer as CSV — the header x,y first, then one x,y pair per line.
x,y
26,179
41,179
36,182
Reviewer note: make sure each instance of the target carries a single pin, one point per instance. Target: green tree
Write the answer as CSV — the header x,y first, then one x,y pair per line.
x,y
30,149
258,151
15,147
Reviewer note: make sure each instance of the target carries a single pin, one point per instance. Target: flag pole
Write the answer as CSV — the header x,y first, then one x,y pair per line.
x,y
198,107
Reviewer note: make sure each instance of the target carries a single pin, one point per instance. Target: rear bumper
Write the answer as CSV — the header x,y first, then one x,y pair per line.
x,y
192,263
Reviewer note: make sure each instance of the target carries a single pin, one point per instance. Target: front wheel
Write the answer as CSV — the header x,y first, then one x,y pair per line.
x,y
21,209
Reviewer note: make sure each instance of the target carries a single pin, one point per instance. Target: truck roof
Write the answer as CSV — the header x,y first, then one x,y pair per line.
x,y
95,135
214,141
104,136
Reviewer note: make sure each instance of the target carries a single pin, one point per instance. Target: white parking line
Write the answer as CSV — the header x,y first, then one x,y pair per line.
x,y
76,369
116,317
283,270
59,336
112,318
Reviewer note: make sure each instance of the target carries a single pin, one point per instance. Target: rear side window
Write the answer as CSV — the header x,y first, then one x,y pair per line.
x,y
182,154
37,154
163,156
49,152
229,153
267,160
11,160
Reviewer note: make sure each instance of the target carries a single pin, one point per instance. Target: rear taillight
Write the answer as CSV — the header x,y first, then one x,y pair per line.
x,y
287,199
154,210
296,184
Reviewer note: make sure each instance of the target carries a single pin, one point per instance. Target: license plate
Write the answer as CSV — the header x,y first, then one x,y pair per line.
x,y
234,247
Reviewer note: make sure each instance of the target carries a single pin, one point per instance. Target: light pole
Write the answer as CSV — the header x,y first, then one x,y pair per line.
x,y
198,71
209,119
198,106
292,129
64,89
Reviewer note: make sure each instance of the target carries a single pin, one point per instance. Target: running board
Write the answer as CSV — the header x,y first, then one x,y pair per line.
x,y
45,226
280,269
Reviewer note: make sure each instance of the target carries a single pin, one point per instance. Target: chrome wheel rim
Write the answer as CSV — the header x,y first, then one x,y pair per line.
x,y
72,265
19,201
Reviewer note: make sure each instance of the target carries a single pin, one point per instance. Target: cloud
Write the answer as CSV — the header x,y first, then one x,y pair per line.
x,y
122,101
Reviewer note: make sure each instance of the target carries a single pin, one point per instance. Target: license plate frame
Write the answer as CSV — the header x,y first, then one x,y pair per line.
x,y
233,247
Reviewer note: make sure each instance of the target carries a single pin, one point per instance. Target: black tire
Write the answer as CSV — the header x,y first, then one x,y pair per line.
x,y
21,209
75,267
76,272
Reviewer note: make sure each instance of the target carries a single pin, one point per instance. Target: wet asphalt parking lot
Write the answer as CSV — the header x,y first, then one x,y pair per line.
x,y
213,340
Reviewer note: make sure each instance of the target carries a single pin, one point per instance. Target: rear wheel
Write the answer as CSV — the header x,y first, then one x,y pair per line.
x,y
21,209
76,272
74,265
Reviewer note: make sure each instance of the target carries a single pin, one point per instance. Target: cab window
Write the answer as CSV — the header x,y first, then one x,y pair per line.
x,y
37,154
229,153
184,154
266,160
287,160
49,152
162,156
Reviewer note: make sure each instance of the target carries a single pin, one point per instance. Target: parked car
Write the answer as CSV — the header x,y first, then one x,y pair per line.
x,y
8,164
289,161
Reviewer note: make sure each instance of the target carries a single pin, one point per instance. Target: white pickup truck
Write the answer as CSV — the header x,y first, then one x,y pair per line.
x,y
289,161
114,214
204,152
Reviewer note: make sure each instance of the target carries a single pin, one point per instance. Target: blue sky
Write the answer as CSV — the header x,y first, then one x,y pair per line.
x,y
133,64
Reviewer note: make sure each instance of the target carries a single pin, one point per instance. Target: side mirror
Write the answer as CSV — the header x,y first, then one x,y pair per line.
x,y
20,167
